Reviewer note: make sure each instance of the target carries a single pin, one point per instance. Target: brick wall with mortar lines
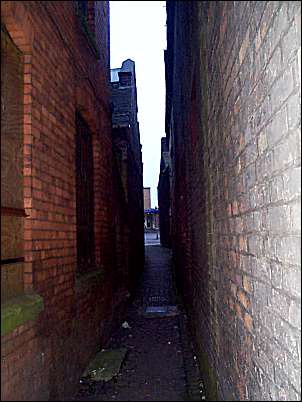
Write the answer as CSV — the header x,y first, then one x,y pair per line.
x,y
61,76
242,255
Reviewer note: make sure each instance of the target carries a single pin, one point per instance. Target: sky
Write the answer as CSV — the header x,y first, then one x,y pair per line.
x,y
138,32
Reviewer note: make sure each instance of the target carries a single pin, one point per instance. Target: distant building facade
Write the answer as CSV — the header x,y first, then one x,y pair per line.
x,y
152,219
151,214
147,198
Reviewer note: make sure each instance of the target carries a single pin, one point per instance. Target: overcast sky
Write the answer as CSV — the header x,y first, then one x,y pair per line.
x,y
138,32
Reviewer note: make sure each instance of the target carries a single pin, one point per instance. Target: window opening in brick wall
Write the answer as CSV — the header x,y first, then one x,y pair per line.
x,y
84,196
83,7
12,201
85,12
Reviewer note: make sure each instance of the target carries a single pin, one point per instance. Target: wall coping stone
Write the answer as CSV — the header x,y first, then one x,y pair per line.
x,y
18,310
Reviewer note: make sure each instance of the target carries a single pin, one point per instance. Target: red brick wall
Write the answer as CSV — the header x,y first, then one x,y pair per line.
x,y
236,190
44,359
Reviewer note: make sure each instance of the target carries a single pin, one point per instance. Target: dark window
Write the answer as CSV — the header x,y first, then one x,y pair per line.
x,y
125,78
84,196
85,13
12,203
83,7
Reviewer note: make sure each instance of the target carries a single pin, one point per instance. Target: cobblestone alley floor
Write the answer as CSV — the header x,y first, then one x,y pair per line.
x,y
159,365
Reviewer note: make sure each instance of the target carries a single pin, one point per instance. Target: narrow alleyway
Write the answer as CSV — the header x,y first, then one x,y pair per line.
x,y
91,92
159,365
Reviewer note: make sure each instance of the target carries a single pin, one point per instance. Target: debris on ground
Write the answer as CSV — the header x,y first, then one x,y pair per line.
x,y
126,325
105,365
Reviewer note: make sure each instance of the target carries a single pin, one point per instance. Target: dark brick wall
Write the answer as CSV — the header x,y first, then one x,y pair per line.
x,y
130,199
129,167
135,213
233,125
62,75
163,190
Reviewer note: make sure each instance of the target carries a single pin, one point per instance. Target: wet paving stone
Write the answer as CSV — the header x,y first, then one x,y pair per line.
x,y
160,364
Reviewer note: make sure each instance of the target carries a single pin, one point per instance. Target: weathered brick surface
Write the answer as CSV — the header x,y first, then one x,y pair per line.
x,y
128,164
164,195
63,74
233,125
